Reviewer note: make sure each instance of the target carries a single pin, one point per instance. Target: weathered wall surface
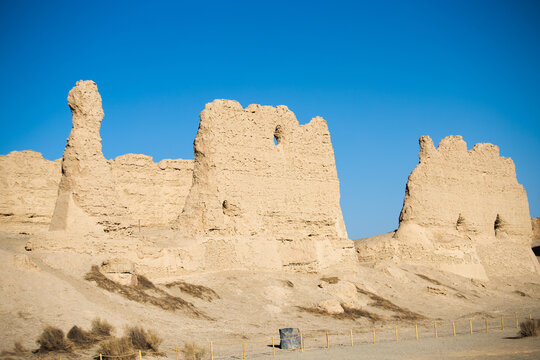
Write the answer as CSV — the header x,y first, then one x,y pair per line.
x,y
87,198
154,193
28,190
464,212
245,184
536,231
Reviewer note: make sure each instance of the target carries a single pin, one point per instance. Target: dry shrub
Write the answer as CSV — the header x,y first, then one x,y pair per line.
x,y
330,280
116,347
380,302
80,337
436,282
198,291
289,283
138,293
529,328
145,340
101,328
348,313
192,351
53,339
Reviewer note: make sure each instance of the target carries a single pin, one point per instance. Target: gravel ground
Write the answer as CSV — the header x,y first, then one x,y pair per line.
x,y
496,344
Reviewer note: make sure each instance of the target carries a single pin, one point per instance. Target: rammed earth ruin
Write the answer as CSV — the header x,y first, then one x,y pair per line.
x,y
263,191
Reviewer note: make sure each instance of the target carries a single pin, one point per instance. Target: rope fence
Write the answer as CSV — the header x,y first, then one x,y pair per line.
x,y
318,340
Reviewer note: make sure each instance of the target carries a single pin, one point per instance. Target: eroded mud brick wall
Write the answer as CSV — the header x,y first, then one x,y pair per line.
x,y
87,198
257,172
28,189
475,192
153,192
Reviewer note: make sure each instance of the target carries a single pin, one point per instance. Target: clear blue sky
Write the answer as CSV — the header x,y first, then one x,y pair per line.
x,y
382,73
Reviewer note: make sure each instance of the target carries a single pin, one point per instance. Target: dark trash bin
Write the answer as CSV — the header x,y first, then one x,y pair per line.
x,y
289,338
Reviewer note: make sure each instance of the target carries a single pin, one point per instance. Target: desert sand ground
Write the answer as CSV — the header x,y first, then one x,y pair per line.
x,y
48,288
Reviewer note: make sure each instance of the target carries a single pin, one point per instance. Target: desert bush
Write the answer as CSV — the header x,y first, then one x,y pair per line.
x,y
529,328
101,328
116,347
154,296
80,337
198,291
53,339
144,339
192,351
330,280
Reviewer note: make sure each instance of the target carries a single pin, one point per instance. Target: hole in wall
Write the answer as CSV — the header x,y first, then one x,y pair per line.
x,y
460,223
536,250
498,224
277,135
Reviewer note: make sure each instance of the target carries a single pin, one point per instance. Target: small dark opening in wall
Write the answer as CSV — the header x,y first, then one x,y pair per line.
x,y
225,204
536,250
277,135
460,222
497,225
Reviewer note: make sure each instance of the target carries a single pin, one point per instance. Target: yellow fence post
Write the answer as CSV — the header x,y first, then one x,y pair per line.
x,y
454,327
243,350
396,334
486,325
502,322
374,335
177,351
327,341
530,316
435,325
352,341
140,355
416,329
273,346
211,350
516,321
470,325
100,358
301,342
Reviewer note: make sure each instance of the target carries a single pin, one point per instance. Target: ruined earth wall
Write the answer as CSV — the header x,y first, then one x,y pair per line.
x,y
536,231
258,172
475,192
28,190
154,193
87,198
463,212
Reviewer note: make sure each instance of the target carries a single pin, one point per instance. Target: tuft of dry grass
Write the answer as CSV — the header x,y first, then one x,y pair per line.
x,y
159,297
400,312
529,328
289,283
198,291
348,313
53,339
145,340
330,280
436,282
192,351
80,337
115,347
101,329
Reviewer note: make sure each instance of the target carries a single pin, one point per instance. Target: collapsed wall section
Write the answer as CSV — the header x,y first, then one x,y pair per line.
x,y
463,212
28,190
259,173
